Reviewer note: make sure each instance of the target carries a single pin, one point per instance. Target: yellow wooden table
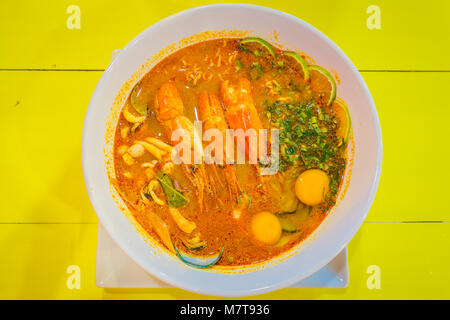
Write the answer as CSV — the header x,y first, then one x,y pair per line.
x,y
52,53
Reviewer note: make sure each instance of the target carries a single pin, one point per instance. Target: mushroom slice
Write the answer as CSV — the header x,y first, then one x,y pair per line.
x,y
194,244
151,164
122,149
131,117
128,159
161,145
150,173
136,127
150,169
150,190
124,132
136,150
145,194
156,152
127,174
184,224
168,167
162,230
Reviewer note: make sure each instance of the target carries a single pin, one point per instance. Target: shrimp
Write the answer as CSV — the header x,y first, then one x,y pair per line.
x,y
170,110
211,113
241,112
240,108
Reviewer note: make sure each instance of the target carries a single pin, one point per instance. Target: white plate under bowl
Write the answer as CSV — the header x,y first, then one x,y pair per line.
x,y
114,269
341,223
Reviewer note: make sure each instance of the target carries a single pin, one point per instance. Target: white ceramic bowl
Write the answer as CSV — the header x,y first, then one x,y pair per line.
x,y
332,235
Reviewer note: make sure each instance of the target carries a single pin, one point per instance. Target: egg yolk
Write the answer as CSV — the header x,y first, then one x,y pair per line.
x,y
312,186
265,227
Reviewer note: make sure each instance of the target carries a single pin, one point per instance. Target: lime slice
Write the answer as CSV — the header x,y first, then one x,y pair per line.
x,y
262,42
331,80
137,99
301,61
343,116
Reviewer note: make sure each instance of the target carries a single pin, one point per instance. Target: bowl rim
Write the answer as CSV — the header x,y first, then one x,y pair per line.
x,y
329,254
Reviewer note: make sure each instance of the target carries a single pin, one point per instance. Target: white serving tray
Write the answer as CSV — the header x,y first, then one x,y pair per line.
x,y
114,269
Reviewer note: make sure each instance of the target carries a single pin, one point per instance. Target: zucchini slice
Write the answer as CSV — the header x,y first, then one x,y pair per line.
x,y
286,238
291,222
287,225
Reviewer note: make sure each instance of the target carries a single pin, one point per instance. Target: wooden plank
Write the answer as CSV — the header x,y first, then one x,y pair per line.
x,y
44,114
412,258
35,34
42,178
413,116
36,258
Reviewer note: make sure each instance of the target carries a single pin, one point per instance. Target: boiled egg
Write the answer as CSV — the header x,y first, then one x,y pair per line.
x,y
265,227
312,186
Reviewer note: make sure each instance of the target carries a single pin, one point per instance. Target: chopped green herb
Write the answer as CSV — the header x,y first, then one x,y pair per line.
x,y
308,138
255,71
257,53
243,49
239,65
258,67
